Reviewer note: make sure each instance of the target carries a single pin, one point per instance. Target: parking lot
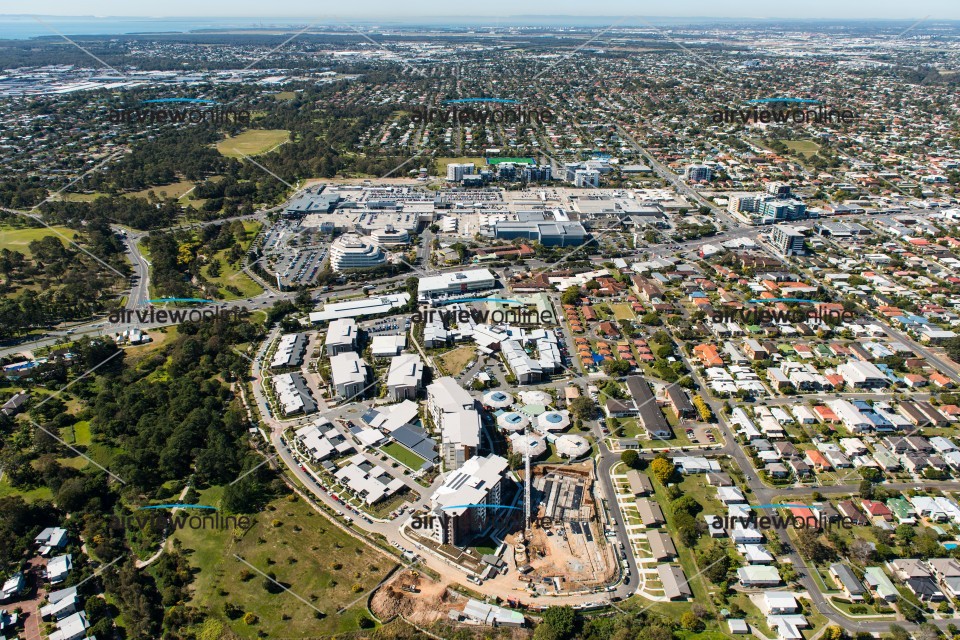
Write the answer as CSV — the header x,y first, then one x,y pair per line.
x,y
700,434
295,253
392,326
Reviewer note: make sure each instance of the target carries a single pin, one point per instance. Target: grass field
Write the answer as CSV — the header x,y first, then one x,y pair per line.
x,y
16,239
252,142
31,495
806,147
80,197
310,556
441,163
174,190
623,312
78,434
231,275
403,455
454,362
285,95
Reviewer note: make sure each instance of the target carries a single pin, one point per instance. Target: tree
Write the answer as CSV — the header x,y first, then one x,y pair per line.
x,y
716,561
686,526
702,408
911,612
952,347
563,620
630,458
927,631
860,551
898,633
687,504
833,632
571,295
662,469
545,632
905,533
691,622
583,408
810,546
652,319
615,368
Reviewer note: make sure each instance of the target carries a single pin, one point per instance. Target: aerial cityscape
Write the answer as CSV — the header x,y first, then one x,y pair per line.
x,y
541,322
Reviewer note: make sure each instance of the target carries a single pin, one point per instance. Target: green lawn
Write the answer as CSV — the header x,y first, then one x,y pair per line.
x,y
231,275
30,495
81,197
806,147
78,434
403,455
173,190
310,556
18,239
252,142
623,312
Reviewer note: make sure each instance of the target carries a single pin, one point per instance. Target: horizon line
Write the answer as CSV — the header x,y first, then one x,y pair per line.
x,y
402,18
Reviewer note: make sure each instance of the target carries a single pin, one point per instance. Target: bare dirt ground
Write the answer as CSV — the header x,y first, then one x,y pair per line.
x,y
579,564
430,604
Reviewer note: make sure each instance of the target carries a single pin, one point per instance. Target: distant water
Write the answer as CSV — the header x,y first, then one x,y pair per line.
x,y
24,27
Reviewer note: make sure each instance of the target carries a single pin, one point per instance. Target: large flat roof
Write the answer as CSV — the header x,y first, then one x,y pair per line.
x,y
361,307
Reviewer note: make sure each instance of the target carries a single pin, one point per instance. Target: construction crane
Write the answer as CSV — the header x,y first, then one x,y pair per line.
x,y
526,484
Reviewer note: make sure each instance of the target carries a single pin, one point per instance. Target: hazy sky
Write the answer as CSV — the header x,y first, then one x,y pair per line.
x,y
372,9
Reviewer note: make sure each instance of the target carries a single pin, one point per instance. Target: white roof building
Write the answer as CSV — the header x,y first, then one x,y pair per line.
x,y
455,282
525,369
857,373
387,346
528,443
453,411
71,627
392,417
351,251
59,568
572,446
850,416
360,307
469,484
405,376
349,373
341,336
50,539
368,481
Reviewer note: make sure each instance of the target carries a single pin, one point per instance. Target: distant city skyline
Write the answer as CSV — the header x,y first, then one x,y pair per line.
x,y
503,9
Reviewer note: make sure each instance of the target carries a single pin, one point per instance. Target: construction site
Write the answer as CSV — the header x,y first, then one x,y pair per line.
x,y
420,601
416,598
564,549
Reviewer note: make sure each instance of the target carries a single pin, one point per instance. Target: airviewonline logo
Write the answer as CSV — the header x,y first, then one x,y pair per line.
x,y
518,315
463,110
760,315
162,516
809,519
192,111
784,111
152,314
803,520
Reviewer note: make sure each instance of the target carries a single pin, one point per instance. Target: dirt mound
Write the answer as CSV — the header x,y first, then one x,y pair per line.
x,y
413,596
